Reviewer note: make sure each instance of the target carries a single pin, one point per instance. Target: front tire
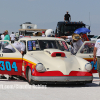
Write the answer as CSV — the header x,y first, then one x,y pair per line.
x,y
29,76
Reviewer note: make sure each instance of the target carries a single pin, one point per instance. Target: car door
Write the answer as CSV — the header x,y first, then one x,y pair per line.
x,y
10,62
86,52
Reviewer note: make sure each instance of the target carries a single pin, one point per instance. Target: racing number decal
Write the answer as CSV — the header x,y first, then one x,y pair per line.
x,y
8,66
2,64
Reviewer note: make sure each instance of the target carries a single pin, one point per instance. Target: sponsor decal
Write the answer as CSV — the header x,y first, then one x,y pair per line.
x,y
23,69
32,70
33,66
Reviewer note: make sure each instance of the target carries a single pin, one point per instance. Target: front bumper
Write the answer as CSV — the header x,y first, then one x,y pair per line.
x,y
65,79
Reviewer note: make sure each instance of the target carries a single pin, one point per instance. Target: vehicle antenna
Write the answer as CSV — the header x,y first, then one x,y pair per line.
x,y
89,19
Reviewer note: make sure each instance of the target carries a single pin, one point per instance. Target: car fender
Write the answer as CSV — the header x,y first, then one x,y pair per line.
x,y
28,62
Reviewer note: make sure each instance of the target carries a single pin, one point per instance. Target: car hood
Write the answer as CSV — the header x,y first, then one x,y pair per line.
x,y
58,63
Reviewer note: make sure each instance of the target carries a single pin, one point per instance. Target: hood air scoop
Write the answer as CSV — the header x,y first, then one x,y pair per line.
x,y
54,52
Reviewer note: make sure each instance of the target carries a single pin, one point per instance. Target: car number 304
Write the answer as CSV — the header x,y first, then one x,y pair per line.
x,y
7,66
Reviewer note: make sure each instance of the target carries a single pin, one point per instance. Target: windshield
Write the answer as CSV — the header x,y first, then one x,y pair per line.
x,y
35,45
70,28
28,34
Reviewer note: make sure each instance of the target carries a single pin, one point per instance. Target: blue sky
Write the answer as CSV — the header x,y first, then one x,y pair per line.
x,y
46,13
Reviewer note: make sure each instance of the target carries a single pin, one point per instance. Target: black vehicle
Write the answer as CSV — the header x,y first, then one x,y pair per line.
x,y
67,28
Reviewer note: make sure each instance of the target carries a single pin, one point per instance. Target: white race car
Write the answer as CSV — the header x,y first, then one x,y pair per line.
x,y
46,60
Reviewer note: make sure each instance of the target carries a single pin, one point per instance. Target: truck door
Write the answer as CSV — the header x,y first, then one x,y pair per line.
x,y
10,60
86,52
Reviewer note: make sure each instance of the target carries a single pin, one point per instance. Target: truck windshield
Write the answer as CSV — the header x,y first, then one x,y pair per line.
x,y
65,29
28,34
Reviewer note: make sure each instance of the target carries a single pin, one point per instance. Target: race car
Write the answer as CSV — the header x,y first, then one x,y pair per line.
x,y
46,60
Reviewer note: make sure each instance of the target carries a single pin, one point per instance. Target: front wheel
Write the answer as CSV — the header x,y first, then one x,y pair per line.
x,y
29,76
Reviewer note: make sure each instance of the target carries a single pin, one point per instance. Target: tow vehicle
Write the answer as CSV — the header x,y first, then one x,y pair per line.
x,y
65,28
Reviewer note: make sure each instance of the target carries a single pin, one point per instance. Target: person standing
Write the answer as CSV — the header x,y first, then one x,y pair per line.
x,y
21,36
76,42
67,17
7,37
84,37
96,53
12,37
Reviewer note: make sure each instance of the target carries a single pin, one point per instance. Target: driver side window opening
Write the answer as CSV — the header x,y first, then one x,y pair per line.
x,y
5,47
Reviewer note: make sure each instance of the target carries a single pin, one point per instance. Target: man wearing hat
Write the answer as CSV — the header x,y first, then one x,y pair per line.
x,y
67,17
76,41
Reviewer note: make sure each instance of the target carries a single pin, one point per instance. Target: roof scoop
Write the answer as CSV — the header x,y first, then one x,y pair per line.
x,y
54,52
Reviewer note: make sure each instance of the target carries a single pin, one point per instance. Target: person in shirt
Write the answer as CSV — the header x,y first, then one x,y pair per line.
x,y
21,35
20,46
7,37
76,42
67,17
96,54
84,37
12,37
